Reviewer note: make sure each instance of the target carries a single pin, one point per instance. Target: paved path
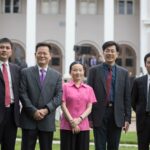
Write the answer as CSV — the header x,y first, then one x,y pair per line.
x,y
132,126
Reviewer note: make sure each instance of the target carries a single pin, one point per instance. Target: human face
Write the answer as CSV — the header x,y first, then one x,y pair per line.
x,y
43,56
147,64
110,55
5,51
77,72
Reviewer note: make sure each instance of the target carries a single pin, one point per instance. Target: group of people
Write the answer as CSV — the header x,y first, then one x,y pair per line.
x,y
103,103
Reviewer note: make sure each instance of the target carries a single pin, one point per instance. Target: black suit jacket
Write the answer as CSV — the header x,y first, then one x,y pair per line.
x,y
15,76
122,102
139,100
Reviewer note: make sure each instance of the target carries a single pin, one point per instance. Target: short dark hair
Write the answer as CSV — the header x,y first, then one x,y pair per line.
x,y
43,44
74,63
146,56
6,40
110,43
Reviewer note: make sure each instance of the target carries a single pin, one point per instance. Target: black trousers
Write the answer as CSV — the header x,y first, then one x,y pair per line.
x,y
8,130
29,138
144,135
70,141
107,136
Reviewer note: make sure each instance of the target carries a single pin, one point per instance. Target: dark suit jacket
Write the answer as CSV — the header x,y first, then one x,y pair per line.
x,y
15,76
139,100
34,97
122,102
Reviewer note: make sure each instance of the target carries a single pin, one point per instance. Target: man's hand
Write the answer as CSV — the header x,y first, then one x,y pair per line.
x,y
40,114
126,126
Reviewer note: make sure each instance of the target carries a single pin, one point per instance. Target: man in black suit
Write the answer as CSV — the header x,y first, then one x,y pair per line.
x,y
9,97
112,112
141,106
40,94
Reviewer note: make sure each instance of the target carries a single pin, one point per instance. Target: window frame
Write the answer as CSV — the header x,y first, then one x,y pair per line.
x,y
88,7
11,7
49,6
126,7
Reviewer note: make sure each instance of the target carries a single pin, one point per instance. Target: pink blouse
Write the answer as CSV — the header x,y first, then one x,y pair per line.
x,y
76,99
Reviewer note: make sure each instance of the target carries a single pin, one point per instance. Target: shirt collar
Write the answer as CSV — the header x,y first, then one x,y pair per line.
x,y
106,66
148,75
1,62
43,68
72,83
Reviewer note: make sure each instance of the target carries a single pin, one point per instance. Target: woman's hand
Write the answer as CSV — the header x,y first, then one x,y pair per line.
x,y
75,130
75,122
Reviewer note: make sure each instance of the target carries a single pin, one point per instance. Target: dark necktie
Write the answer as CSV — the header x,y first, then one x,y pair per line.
x,y
7,86
148,100
108,84
42,76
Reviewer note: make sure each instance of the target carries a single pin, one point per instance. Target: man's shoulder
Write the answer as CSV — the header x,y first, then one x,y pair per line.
x,y
121,68
54,71
141,78
96,67
29,69
14,66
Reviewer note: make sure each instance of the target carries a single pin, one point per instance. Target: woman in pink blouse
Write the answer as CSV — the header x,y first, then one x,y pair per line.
x,y
76,105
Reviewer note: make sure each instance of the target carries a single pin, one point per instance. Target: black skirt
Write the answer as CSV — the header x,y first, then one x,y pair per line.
x,y
77,141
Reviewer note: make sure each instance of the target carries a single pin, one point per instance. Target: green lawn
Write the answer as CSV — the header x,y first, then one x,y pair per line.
x,y
57,147
128,138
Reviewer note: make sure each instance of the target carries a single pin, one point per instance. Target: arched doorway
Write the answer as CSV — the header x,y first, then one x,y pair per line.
x,y
18,55
56,61
127,58
87,54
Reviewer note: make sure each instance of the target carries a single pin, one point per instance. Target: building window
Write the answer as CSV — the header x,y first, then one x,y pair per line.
x,y
11,6
130,7
125,7
127,58
88,7
50,7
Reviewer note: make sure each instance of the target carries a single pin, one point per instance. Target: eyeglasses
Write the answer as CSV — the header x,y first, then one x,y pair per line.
x,y
5,47
110,51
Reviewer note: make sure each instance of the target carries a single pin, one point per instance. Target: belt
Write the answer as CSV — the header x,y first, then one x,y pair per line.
x,y
110,104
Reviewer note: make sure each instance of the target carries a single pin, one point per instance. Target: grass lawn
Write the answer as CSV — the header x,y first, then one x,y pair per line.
x,y
57,147
128,138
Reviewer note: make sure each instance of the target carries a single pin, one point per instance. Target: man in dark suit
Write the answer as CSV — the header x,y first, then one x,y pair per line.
x,y
112,112
141,105
9,97
40,94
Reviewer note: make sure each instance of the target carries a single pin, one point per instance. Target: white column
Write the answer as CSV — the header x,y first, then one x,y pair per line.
x,y
108,20
70,35
144,41
30,32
